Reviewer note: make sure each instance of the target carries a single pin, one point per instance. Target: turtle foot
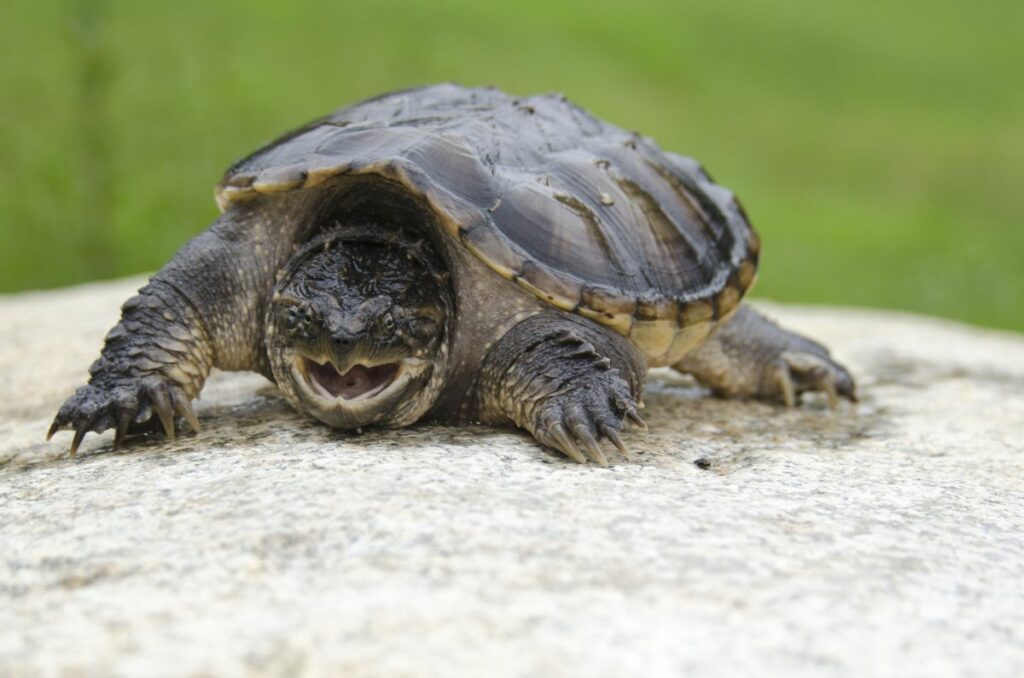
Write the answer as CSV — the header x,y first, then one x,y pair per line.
x,y
794,373
125,406
752,357
575,421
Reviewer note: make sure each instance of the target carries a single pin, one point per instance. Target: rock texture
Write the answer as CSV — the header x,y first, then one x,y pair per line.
x,y
886,538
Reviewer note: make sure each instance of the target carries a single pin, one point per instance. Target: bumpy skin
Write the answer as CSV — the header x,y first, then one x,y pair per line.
x,y
155,360
204,309
751,356
351,300
566,381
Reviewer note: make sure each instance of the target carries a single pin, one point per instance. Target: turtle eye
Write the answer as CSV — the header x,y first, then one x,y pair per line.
x,y
299,317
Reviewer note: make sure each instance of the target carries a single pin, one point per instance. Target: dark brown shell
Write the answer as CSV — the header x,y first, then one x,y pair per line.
x,y
586,216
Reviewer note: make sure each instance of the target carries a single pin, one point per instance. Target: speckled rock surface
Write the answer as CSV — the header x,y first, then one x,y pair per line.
x,y
887,538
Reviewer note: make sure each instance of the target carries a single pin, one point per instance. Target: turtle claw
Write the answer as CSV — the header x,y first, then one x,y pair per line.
x,y
77,440
584,435
573,421
124,419
54,427
183,407
796,372
778,377
616,440
122,406
829,387
162,405
565,444
634,417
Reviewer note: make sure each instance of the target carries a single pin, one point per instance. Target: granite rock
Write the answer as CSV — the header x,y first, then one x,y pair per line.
x,y
742,538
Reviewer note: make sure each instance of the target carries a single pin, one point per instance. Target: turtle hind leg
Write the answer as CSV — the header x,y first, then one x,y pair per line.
x,y
751,356
568,382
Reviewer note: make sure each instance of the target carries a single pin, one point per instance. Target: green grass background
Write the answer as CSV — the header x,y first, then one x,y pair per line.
x,y
878,146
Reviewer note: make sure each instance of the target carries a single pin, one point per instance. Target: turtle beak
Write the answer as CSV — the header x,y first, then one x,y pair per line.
x,y
358,382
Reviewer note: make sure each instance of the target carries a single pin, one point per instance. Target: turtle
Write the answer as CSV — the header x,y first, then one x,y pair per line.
x,y
460,255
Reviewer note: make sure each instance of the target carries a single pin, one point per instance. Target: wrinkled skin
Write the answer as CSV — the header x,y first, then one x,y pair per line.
x,y
354,333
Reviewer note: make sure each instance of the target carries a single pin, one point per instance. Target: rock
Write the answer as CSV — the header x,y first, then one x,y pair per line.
x,y
885,538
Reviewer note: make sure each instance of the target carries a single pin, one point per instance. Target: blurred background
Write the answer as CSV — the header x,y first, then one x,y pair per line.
x,y
877,146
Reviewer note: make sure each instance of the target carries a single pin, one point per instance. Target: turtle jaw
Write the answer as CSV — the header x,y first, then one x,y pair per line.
x,y
358,382
359,393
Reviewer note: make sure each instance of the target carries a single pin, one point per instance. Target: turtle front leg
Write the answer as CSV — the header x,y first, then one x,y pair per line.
x,y
154,361
751,356
566,381
202,310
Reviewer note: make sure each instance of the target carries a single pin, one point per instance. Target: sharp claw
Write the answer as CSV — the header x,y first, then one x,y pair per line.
x,y
565,444
634,417
82,429
183,406
123,420
162,405
79,434
590,444
828,385
54,427
785,383
167,421
613,435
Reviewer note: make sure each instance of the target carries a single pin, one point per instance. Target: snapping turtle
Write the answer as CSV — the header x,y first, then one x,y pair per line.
x,y
455,254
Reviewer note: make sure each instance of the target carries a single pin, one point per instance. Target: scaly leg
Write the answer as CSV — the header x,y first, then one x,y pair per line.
x,y
202,310
566,381
751,356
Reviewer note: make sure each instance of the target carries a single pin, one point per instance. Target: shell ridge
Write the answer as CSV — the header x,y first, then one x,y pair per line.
x,y
595,227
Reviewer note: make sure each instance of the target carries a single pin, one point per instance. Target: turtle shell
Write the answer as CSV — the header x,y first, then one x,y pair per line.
x,y
588,217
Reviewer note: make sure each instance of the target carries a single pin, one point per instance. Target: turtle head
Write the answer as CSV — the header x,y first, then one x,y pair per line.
x,y
356,330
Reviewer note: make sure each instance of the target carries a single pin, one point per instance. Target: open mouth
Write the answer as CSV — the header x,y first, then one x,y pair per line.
x,y
358,383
